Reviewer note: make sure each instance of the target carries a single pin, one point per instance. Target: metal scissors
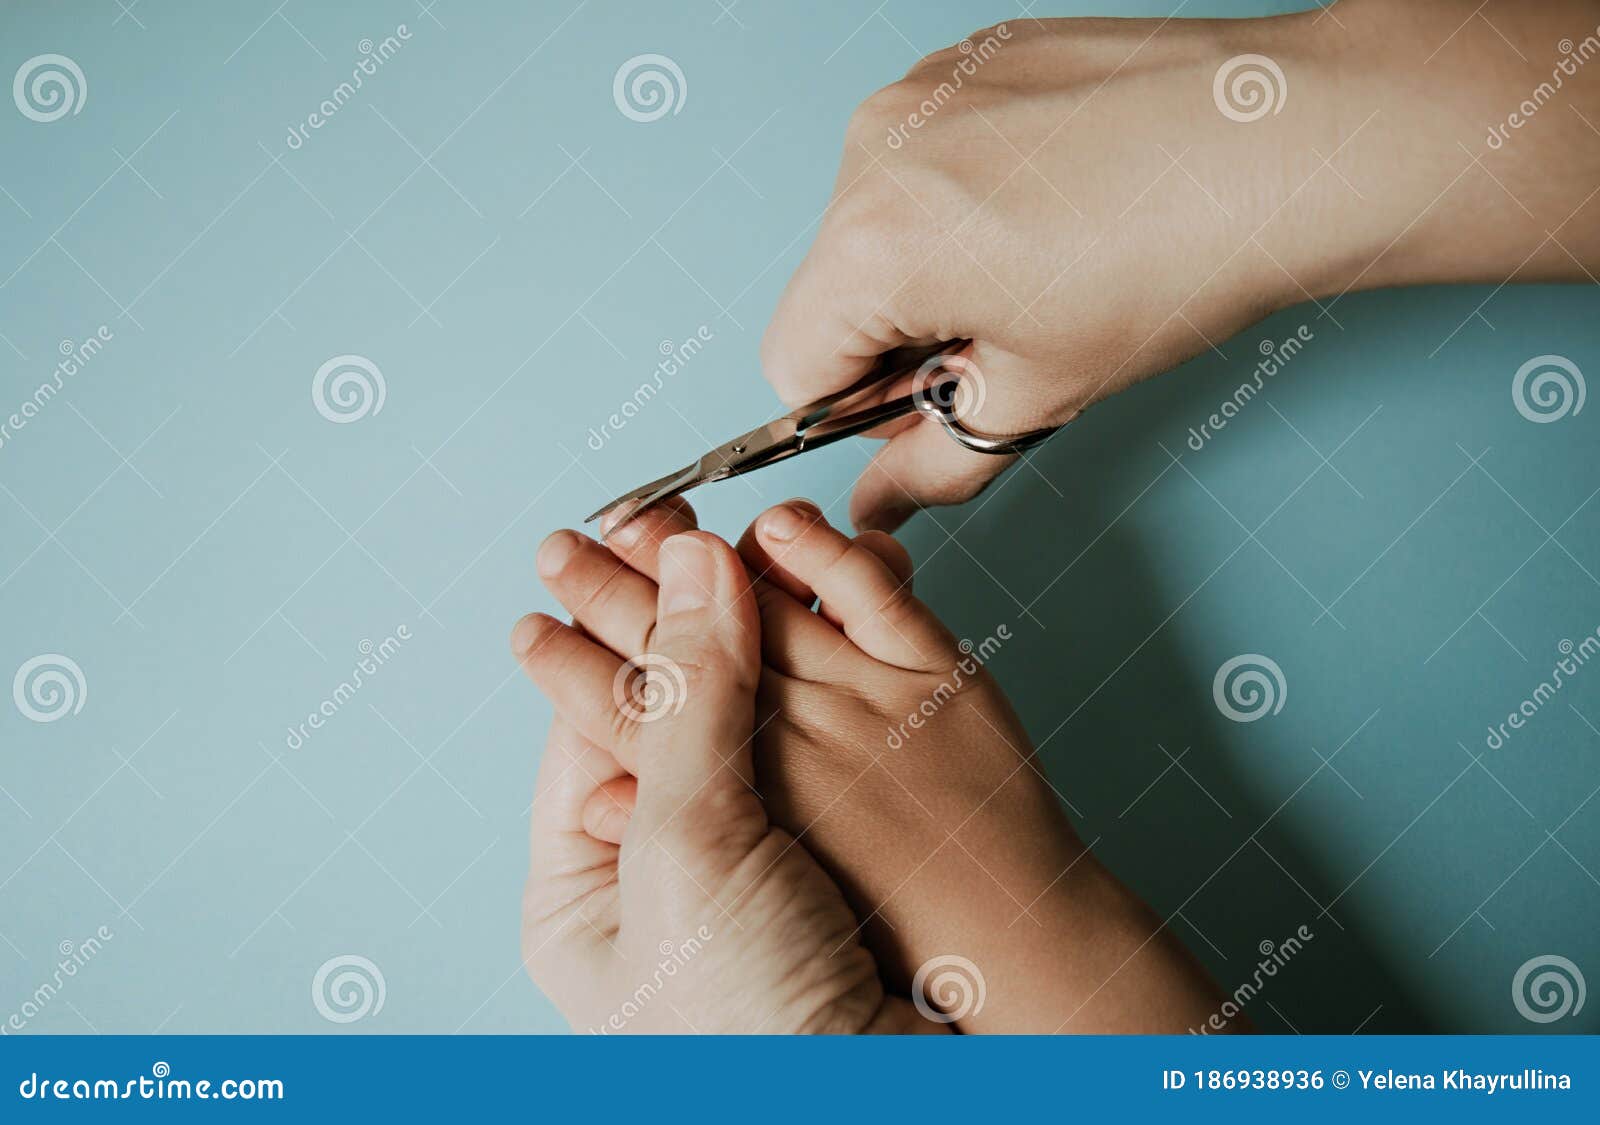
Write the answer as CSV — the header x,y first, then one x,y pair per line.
x,y
937,370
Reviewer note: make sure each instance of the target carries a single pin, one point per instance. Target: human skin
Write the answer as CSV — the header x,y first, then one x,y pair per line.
x,y
704,916
941,830
1083,210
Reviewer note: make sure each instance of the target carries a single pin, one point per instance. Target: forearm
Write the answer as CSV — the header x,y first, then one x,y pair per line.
x,y
1098,960
1462,145
1044,938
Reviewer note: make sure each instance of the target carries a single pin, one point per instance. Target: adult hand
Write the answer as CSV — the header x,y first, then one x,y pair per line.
x,y
706,918
1094,201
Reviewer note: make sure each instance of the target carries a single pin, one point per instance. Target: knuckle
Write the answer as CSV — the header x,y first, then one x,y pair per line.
x,y
770,599
959,485
662,680
899,609
776,367
859,223
879,108
834,553
716,821
701,668
982,42
602,595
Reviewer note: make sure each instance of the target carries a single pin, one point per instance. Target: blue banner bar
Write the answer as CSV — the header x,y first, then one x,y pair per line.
x,y
1293,1078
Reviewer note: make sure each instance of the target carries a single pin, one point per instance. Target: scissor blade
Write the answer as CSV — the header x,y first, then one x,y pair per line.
x,y
645,496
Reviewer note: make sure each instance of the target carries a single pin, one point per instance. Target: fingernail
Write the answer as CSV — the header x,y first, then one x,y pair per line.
x,y
688,574
782,523
554,553
625,534
526,633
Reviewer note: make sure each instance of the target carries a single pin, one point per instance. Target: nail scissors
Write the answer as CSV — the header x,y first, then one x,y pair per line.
x,y
938,372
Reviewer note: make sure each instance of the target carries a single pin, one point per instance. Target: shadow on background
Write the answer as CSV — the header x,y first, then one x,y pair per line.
x,y
1223,859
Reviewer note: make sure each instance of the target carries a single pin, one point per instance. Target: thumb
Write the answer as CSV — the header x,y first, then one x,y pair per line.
x,y
693,749
922,465
918,467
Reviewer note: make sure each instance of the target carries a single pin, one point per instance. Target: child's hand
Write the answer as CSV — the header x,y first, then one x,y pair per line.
x,y
894,757
707,918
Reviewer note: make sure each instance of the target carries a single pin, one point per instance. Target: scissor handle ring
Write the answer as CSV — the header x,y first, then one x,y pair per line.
x,y
941,407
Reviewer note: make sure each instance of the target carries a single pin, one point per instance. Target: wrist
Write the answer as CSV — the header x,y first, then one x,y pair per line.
x,y
1436,170
1126,972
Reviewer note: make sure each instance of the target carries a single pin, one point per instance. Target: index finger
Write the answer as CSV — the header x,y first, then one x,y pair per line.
x,y
829,326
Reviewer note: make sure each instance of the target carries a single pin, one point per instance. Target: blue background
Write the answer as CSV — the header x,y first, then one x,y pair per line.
x,y
185,525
